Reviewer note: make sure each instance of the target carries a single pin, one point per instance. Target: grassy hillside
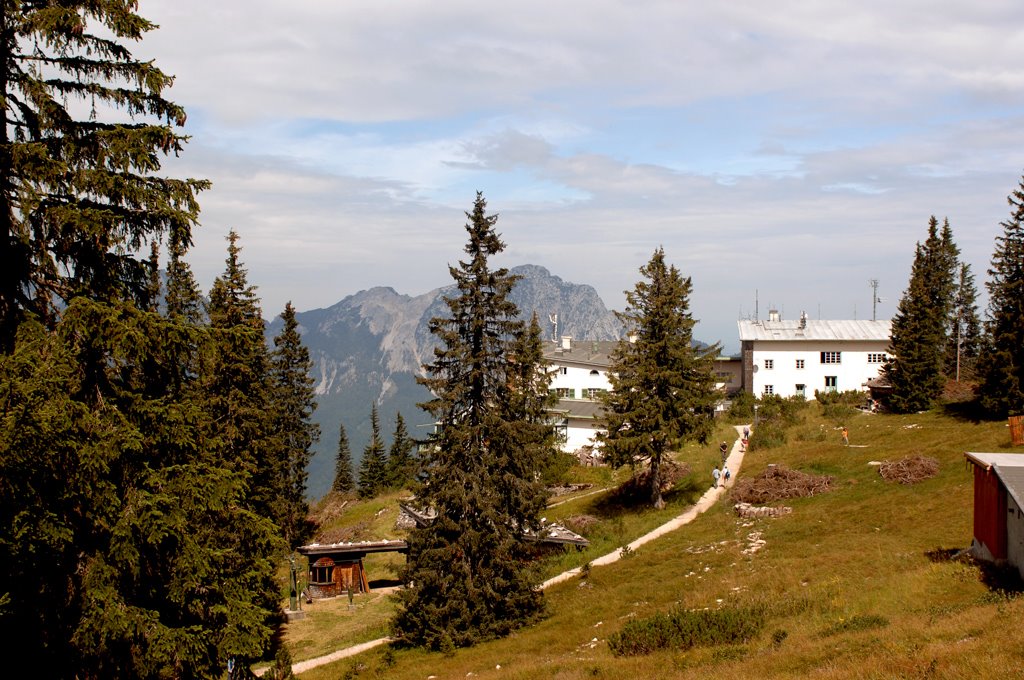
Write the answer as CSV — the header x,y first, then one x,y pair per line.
x,y
854,583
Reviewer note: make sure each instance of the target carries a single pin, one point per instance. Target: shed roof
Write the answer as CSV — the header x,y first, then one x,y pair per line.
x,y
1009,467
815,330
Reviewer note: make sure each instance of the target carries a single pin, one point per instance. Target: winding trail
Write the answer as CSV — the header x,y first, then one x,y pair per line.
x,y
710,497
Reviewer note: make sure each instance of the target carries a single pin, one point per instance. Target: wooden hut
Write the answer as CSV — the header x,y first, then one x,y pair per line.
x,y
334,567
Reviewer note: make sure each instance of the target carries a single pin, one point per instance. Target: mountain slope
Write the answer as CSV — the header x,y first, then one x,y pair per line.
x,y
370,346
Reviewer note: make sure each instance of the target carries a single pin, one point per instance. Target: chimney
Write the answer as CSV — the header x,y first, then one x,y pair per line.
x,y
773,315
567,343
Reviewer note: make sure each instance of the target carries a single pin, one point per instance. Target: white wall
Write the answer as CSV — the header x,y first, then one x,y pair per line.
x,y
1014,535
579,378
851,373
580,433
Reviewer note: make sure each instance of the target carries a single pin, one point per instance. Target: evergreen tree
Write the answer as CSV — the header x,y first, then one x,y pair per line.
x,y
80,197
918,340
373,468
483,493
402,465
294,405
127,547
1001,364
237,385
343,478
663,389
964,336
116,507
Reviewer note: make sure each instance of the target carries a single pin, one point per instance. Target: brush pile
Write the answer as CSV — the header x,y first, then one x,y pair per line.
x,y
909,470
777,483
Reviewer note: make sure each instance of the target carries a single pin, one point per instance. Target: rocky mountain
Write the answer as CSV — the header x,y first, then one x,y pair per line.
x,y
370,346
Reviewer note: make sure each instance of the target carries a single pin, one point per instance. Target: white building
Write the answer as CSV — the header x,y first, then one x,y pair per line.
x,y
797,357
579,374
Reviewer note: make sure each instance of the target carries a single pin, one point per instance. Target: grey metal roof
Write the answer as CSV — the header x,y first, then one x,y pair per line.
x,y
587,352
815,330
579,408
1009,467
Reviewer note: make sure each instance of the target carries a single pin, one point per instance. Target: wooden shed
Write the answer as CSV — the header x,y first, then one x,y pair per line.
x,y
998,507
336,566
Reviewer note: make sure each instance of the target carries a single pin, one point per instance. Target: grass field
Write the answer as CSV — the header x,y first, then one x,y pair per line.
x,y
855,583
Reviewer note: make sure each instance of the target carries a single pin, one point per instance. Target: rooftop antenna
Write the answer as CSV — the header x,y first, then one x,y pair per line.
x,y
874,298
757,309
553,318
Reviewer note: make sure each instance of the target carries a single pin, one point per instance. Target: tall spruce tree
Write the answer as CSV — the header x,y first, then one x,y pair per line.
x,y
79,197
918,340
126,546
294,403
483,494
663,388
344,480
402,464
373,468
1001,364
238,388
964,337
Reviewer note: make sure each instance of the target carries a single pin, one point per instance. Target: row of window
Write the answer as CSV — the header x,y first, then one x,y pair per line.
x,y
831,358
831,385
564,370
570,392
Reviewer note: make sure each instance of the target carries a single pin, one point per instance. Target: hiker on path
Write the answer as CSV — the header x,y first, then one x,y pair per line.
x,y
716,474
726,475
724,448
846,436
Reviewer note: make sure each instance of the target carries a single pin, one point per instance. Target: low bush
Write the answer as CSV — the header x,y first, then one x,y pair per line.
x,y
685,628
854,623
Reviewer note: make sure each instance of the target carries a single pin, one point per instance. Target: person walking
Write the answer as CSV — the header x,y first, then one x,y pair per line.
x,y
724,448
716,474
846,436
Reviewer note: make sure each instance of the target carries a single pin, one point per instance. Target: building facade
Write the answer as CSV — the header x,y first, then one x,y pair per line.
x,y
802,356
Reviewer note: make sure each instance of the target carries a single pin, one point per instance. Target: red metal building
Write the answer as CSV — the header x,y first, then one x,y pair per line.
x,y
998,507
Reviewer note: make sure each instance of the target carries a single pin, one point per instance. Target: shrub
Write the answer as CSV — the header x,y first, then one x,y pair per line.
x,y
742,406
685,628
768,434
854,623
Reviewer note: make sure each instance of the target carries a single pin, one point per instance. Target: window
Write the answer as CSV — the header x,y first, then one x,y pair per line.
x,y
565,392
595,372
322,571
592,392
563,370
799,363
876,357
801,391
831,357
831,383
769,364
769,389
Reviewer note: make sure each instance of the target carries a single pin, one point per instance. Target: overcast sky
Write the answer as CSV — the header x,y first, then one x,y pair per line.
x,y
793,148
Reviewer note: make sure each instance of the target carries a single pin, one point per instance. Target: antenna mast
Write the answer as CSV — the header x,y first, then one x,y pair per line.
x,y
553,318
874,298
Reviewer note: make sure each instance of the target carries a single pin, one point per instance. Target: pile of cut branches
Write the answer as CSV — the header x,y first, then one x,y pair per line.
x,y
909,470
777,483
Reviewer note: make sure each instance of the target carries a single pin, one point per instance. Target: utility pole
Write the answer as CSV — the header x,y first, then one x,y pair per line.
x,y
874,298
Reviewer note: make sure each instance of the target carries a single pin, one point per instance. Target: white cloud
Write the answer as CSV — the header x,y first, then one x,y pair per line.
x,y
797,148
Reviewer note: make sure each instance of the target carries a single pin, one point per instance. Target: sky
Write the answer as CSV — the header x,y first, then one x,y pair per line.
x,y
783,154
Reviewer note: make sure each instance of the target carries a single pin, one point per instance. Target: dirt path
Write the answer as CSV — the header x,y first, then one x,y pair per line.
x,y
710,497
